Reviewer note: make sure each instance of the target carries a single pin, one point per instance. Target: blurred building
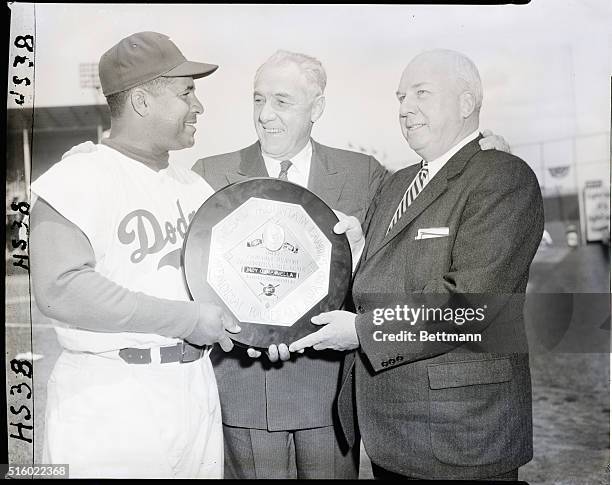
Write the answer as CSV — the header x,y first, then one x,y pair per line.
x,y
42,135
574,174
38,134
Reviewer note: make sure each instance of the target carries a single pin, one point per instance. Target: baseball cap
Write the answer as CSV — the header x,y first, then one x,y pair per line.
x,y
142,57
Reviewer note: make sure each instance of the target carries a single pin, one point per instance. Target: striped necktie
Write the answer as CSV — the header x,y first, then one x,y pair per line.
x,y
411,193
285,164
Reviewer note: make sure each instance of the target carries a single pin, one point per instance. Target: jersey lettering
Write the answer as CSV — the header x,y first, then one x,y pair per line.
x,y
140,224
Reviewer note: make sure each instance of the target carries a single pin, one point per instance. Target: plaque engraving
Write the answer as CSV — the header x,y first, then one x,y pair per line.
x,y
265,250
269,262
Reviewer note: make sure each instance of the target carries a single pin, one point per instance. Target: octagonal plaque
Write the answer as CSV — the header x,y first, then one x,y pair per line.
x,y
265,250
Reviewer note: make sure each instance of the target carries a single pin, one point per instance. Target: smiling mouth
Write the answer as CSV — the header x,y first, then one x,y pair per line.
x,y
272,131
415,126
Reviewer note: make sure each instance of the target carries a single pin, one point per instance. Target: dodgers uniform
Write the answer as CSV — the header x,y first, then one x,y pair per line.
x,y
106,417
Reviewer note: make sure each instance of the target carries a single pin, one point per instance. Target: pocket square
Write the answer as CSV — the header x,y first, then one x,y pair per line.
x,y
431,232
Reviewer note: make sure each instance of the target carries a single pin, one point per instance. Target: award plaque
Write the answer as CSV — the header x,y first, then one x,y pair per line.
x,y
265,250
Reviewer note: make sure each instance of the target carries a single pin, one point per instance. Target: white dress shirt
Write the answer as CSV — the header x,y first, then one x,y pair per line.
x,y
299,170
436,165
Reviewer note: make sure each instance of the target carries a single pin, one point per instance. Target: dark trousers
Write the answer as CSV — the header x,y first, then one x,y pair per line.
x,y
305,453
381,473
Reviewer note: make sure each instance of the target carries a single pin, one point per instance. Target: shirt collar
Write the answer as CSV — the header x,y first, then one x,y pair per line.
x,y
300,162
435,165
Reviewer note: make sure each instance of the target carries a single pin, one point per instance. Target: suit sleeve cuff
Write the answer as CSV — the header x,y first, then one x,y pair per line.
x,y
366,329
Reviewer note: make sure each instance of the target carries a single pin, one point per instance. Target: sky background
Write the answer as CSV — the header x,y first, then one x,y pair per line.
x,y
545,68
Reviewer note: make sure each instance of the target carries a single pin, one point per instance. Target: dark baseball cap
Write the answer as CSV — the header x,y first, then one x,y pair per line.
x,y
142,57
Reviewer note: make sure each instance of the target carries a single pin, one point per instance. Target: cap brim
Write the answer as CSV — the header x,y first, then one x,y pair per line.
x,y
195,70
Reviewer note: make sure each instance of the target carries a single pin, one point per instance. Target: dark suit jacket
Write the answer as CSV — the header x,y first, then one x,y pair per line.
x,y
437,410
300,393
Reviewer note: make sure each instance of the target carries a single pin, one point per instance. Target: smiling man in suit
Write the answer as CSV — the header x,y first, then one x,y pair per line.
x,y
277,413
463,221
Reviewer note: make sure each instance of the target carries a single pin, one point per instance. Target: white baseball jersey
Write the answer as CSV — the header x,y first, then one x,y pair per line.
x,y
105,417
135,219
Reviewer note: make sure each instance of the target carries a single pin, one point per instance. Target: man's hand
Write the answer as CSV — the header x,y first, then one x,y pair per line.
x,y
491,141
338,334
350,226
85,147
274,353
212,326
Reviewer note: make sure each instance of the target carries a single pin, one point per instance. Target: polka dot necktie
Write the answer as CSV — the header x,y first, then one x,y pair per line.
x,y
411,193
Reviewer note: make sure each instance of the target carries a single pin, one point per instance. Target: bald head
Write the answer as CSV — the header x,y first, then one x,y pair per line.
x,y
462,72
440,96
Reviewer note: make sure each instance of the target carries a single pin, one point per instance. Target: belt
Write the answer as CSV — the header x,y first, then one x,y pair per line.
x,y
183,352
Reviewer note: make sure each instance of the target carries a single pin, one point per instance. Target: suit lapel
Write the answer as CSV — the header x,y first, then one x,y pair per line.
x,y
434,189
251,165
325,179
431,192
380,215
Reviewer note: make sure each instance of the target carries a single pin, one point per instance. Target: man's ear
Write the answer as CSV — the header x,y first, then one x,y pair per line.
x,y
467,103
318,106
139,99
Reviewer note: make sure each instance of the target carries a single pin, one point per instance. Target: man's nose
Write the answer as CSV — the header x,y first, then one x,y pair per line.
x,y
267,113
196,106
407,106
